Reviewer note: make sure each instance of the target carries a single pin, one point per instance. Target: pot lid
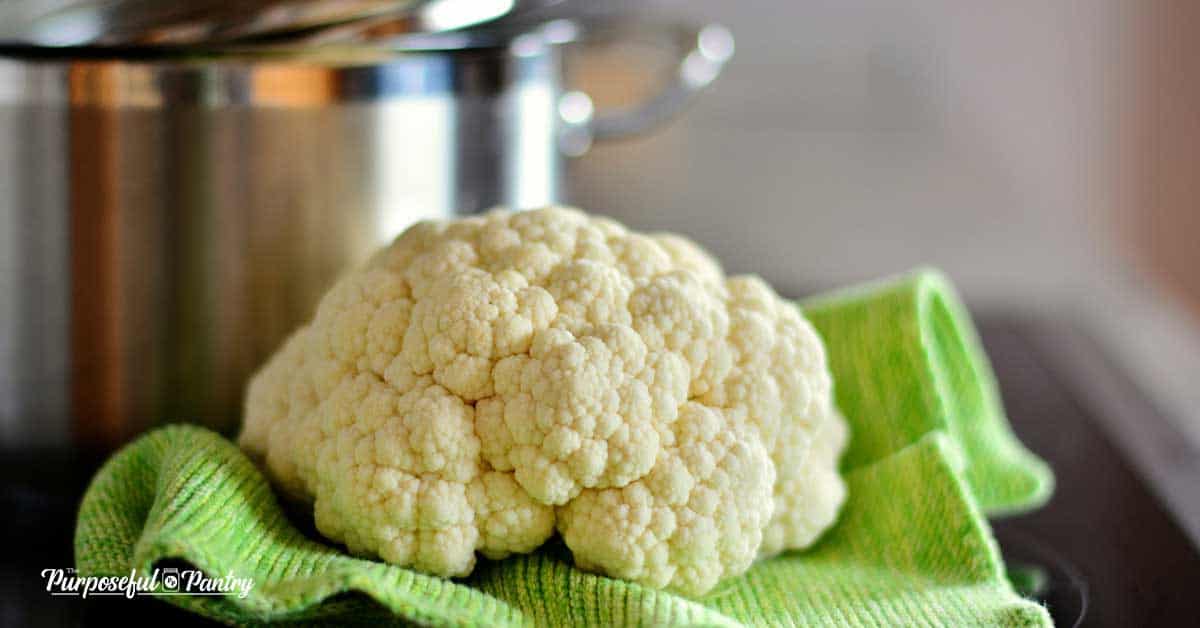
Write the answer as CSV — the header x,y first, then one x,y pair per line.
x,y
192,22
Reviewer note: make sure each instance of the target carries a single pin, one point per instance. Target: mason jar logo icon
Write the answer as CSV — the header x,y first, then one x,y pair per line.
x,y
170,579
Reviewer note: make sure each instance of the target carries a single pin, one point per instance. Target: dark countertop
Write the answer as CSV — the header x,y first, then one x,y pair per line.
x,y
1138,566
1104,526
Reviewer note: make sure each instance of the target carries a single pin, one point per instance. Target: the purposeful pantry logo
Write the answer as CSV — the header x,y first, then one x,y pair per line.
x,y
161,581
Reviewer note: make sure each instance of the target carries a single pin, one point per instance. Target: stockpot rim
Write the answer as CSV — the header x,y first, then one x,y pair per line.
x,y
333,47
284,75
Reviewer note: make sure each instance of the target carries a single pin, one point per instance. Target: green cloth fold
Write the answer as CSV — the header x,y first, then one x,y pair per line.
x,y
906,361
930,453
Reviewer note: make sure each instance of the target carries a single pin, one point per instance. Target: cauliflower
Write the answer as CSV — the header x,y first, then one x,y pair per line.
x,y
697,517
485,382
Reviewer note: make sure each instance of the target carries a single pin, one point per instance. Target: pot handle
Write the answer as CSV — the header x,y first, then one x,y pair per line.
x,y
703,50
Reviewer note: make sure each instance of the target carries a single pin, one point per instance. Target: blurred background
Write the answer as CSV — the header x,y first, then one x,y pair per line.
x,y
1044,154
164,222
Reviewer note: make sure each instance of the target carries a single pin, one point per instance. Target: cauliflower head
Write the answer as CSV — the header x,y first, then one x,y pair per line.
x,y
484,382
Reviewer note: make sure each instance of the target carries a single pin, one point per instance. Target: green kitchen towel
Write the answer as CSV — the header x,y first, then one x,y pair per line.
x,y
930,453
905,362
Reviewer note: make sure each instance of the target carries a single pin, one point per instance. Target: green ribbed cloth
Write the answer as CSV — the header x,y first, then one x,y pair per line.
x,y
930,454
906,361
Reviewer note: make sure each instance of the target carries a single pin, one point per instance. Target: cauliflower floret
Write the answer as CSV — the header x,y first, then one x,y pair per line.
x,y
509,521
696,517
598,401
389,471
484,380
808,496
471,320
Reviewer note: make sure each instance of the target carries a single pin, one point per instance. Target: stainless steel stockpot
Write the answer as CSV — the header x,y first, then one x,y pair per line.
x,y
167,217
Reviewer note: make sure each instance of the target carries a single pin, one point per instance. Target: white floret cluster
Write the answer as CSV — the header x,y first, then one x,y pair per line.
x,y
485,382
